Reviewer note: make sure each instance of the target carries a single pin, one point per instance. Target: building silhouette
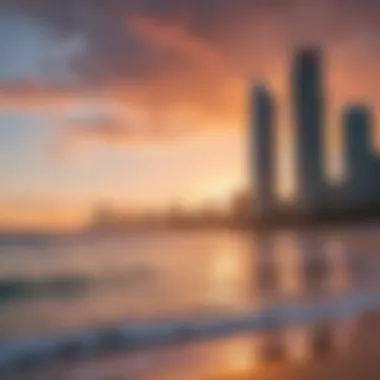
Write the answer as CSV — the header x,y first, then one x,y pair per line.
x,y
307,91
263,111
357,127
363,164
357,196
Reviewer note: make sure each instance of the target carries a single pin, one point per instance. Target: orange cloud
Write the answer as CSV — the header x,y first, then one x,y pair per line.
x,y
173,35
209,91
36,98
211,81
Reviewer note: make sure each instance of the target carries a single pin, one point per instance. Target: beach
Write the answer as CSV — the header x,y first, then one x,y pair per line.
x,y
234,358
359,361
71,312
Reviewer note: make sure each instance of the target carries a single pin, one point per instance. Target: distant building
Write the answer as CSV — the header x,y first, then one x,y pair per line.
x,y
308,106
242,205
104,217
262,129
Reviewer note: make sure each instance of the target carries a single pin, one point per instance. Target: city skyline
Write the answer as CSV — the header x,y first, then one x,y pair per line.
x,y
315,193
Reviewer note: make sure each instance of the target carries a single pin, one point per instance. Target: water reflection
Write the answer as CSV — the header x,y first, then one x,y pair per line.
x,y
235,273
306,342
248,353
187,274
290,266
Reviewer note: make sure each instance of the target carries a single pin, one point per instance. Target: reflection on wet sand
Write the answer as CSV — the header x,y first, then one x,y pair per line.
x,y
237,355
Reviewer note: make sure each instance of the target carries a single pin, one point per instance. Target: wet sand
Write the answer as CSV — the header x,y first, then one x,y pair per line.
x,y
360,362
233,358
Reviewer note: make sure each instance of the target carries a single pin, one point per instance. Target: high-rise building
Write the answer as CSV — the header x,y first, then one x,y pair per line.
x,y
362,181
263,144
307,89
357,122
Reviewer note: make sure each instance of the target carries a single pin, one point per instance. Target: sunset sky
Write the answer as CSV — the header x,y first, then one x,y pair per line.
x,y
144,102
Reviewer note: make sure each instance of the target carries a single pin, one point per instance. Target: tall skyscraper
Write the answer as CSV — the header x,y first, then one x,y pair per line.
x,y
308,106
357,123
363,183
263,144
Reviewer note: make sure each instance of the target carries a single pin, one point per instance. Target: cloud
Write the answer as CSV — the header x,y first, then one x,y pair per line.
x,y
140,40
183,64
126,126
172,35
31,52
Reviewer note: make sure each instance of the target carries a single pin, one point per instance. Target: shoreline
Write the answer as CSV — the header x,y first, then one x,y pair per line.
x,y
135,337
359,361
233,358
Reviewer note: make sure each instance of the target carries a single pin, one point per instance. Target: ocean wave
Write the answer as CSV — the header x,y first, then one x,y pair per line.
x,y
15,288
148,334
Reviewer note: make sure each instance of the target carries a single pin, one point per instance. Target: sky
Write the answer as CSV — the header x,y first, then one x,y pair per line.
x,y
143,103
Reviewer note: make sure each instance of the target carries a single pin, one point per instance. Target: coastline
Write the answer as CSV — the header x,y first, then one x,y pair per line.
x,y
359,361
127,341
226,359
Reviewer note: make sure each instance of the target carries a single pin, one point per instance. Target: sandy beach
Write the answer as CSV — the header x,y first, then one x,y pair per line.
x,y
234,358
360,361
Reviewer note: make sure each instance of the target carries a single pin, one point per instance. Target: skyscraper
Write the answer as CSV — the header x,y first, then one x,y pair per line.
x,y
357,130
362,185
263,144
308,112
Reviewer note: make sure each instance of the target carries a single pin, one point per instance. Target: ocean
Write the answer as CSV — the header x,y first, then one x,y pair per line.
x,y
56,287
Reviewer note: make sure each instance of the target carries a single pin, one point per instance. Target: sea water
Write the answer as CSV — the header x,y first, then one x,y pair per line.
x,y
52,287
